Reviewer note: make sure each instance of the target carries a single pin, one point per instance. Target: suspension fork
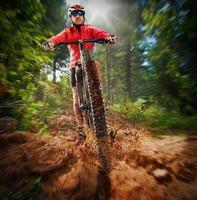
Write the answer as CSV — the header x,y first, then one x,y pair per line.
x,y
81,79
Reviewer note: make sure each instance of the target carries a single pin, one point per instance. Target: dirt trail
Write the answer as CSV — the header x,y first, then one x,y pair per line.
x,y
134,166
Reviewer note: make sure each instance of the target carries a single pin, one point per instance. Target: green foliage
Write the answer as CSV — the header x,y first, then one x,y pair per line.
x,y
175,120
153,60
152,114
20,51
172,56
41,101
24,27
131,110
31,107
153,65
54,96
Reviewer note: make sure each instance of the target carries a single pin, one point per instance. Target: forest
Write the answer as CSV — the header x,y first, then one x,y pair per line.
x,y
149,75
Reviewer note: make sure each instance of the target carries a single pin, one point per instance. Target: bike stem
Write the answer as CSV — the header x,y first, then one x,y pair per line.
x,y
80,50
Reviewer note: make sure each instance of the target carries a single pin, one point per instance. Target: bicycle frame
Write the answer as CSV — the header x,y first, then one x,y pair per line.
x,y
80,43
95,121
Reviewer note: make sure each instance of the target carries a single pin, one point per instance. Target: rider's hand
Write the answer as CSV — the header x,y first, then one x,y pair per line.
x,y
48,45
111,39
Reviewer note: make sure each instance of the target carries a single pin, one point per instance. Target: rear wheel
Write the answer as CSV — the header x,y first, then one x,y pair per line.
x,y
96,114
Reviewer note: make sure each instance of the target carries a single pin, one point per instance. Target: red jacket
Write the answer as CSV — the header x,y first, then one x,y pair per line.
x,y
72,34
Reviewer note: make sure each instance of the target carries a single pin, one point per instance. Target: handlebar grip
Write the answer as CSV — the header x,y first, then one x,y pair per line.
x,y
101,41
45,44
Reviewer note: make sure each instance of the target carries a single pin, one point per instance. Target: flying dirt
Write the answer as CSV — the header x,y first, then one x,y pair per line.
x,y
131,163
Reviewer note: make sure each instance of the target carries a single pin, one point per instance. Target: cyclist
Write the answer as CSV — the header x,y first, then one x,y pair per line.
x,y
78,31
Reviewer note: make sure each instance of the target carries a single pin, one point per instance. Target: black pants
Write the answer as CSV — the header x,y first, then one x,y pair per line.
x,y
72,77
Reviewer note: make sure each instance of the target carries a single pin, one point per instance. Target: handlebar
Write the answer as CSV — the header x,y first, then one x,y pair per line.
x,y
80,42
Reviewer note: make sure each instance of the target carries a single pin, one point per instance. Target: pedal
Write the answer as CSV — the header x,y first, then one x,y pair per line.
x,y
84,107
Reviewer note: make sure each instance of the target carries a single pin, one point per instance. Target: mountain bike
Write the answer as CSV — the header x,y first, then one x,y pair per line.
x,y
89,88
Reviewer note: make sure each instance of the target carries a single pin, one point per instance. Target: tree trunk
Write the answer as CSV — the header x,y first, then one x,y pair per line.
x,y
128,69
108,72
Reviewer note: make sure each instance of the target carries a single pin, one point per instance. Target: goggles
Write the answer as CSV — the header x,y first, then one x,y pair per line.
x,y
75,13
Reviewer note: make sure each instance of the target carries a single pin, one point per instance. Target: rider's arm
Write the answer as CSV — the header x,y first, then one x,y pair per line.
x,y
61,37
101,34
98,33
50,43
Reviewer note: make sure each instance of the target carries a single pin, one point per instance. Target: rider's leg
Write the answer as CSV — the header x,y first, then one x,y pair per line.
x,y
78,115
77,111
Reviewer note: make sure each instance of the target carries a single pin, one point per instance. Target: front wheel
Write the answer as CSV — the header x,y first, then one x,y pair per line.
x,y
97,114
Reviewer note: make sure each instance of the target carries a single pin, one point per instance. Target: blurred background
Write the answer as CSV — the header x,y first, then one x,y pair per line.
x,y
150,75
